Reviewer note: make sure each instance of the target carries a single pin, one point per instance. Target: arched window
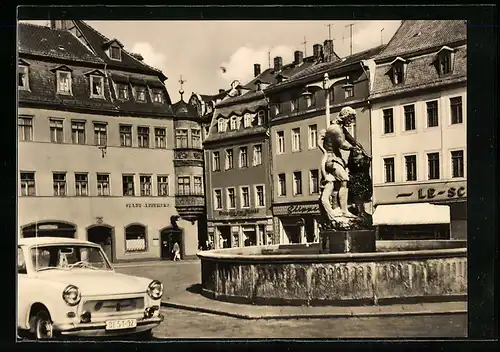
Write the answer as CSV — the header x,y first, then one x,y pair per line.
x,y
135,238
260,117
233,122
221,125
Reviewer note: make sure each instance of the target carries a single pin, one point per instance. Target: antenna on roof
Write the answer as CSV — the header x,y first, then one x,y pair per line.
x,y
305,46
181,91
350,34
382,36
269,59
329,30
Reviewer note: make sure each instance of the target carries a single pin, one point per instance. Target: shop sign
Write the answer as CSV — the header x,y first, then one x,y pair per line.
x,y
242,212
48,227
147,205
433,193
297,209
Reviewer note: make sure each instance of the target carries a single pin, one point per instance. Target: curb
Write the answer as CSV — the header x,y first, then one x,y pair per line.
x,y
156,264
348,314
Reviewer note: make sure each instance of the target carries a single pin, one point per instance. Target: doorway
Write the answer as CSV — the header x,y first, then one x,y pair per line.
x,y
224,236
103,236
169,237
49,229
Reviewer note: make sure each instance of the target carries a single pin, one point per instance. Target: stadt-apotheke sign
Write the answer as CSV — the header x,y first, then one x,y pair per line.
x,y
241,212
428,192
296,209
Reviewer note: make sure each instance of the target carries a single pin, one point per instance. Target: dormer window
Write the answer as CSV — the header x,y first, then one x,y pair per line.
x,y
63,82
96,86
444,60
294,105
23,77
247,122
349,90
221,125
157,95
277,109
260,117
122,91
398,70
140,93
115,52
233,123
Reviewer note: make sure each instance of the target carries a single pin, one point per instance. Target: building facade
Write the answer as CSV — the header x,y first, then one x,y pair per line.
x,y
419,126
297,114
96,144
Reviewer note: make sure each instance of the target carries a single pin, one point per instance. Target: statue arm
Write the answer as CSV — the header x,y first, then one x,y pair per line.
x,y
324,159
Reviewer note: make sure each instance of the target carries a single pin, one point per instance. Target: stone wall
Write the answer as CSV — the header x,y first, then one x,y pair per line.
x,y
364,278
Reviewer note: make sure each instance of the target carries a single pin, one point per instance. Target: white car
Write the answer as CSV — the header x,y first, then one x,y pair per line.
x,y
68,287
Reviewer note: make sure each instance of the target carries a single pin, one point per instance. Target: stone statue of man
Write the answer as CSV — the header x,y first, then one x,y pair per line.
x,y
333,166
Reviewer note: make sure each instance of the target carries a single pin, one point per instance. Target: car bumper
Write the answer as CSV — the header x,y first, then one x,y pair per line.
x,y
99,329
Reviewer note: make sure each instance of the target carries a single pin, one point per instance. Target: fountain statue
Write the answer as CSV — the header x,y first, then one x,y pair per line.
x,y
346,187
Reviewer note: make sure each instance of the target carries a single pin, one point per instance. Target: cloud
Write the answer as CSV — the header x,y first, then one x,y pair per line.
x,y
151,57
240,63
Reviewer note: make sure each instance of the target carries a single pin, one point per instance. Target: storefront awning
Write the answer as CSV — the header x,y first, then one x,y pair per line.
x,y
411,214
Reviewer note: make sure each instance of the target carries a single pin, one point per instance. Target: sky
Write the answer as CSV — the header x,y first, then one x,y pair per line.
x,y
198,49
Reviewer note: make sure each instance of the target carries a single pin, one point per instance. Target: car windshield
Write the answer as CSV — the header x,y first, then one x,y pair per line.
x,y
68,257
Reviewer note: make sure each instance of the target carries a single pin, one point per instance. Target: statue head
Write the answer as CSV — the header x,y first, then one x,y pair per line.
x,y
346,116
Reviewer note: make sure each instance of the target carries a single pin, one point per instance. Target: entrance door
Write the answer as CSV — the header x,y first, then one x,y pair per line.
x,y
103,236
168,238
293,233
225,236
49,229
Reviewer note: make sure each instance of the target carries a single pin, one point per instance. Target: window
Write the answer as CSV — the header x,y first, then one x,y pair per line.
x,y
433,165
143,137
135,238
245,197
23,77
233,122
215,161
310,100
282,185
231,198
97,87
444,62
349,91
389,170
457,162
184,185
456,110
218,198
21,262
313,136
397,71
63,82
198,185
115,53
128,185
145,183
409,117
100,133
160,138
277,109
59,183
247,120
196,138
162,185
257,154
221,125
78,132
260,117
56,131
411,167
229,159
125,136
102,185
281,142
81,184
25,128
432,114
314,181
140,93
122,91
294,105
27,183
297,183
243,157
157,95
260,200
181,138
388,121
296,140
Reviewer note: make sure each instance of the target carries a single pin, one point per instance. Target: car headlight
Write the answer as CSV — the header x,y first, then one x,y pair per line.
x,y
155,289
71,295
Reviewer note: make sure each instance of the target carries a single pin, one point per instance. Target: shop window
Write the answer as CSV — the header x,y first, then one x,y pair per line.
x,y
135,238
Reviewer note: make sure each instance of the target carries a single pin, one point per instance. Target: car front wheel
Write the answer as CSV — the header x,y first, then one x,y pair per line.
x,y
41,326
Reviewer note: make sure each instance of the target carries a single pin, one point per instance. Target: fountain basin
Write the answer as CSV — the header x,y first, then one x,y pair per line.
x,y
297,274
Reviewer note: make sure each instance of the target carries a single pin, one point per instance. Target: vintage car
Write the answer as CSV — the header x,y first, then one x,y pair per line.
x,y
68,287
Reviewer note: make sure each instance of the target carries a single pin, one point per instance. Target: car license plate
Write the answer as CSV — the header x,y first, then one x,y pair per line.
x,y
121,324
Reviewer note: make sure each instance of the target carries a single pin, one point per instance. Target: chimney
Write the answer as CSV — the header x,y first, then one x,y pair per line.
x,y
256,70
328,50
278,63
221,90
317,49
137,56
53,24
299,57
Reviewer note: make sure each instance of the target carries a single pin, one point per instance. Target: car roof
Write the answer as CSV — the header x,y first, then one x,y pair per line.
x,y
37,241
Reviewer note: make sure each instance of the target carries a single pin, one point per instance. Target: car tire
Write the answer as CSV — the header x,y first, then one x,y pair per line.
x,y
41,325
145,335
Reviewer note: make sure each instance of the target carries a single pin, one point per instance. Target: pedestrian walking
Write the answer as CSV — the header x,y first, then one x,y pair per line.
x,y
177,252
